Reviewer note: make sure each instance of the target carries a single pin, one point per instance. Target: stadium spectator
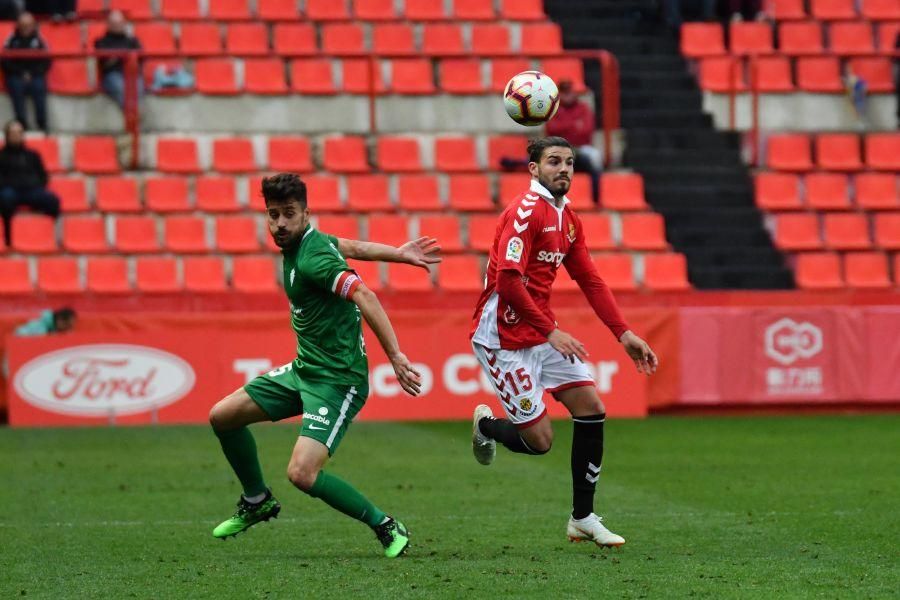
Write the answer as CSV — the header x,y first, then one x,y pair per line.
x,y
574,121
23,179
112,68
27,76
58,9
49,322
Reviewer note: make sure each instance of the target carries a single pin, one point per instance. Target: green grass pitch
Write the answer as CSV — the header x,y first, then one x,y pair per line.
x,y
780,507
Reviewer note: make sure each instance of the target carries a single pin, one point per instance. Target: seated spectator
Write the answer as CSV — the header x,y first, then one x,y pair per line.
x,y
112,68
50,321
27,76
23,179
574,121
58,9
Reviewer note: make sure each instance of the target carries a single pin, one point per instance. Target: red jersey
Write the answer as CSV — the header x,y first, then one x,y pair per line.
x,y
534,238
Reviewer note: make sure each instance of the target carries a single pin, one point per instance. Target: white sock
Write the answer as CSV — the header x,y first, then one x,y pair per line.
x,y
255,499
386,519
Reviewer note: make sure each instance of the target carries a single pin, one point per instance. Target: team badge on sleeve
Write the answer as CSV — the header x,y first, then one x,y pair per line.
x,y
514,249
571,234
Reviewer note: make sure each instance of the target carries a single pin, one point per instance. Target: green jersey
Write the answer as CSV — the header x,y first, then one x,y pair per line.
x,y
318,282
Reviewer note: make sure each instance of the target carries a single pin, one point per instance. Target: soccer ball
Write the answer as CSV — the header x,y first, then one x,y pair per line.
x,y
531,98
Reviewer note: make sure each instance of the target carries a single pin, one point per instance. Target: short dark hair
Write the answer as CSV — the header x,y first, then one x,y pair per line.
x,y
64,313
537,146
284,187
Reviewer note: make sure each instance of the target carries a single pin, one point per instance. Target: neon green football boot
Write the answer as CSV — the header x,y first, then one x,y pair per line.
x,y
247,515
394,536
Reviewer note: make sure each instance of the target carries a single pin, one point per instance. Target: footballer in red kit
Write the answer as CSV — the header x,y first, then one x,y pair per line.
x,y
522,350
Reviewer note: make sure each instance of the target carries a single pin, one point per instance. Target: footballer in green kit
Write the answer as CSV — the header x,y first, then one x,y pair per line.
x,y
328,381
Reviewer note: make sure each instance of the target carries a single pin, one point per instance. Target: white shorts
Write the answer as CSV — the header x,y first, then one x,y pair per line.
x,y
520,378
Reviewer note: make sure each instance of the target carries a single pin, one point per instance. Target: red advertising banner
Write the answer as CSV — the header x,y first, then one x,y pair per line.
x,y
164,369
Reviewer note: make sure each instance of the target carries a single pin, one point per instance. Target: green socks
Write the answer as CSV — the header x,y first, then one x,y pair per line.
x,y
240,450
340,495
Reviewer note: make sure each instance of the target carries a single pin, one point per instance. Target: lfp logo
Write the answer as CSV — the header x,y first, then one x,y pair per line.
x,y
787,341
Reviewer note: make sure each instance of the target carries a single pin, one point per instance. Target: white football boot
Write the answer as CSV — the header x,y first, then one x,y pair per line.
x,y
591,529
483,447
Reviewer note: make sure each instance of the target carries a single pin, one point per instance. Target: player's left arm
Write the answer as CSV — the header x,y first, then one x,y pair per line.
x,y
581,268
420,252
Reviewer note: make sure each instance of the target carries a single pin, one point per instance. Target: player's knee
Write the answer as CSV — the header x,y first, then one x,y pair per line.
x,y
541,444
218,416
303,477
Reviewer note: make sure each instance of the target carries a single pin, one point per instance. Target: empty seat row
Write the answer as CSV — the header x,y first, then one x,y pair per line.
x,y
794,38
833,9
837,231
827,191
776,74
833,152
828,270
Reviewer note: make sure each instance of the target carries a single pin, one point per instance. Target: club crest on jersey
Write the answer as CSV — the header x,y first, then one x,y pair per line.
x,y
525,404
571,234
510,316
514,249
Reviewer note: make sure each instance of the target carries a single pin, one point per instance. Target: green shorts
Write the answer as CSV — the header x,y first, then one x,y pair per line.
x,y
327,408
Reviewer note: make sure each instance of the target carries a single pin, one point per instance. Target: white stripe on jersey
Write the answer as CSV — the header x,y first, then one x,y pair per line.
x,y
487,334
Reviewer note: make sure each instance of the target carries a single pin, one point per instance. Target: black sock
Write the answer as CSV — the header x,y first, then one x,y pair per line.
x,y
587,456
506,433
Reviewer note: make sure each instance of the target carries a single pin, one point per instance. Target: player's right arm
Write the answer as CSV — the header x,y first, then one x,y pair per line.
x,y
372,311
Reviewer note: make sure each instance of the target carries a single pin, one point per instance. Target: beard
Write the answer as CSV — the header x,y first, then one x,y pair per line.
x,y
557,187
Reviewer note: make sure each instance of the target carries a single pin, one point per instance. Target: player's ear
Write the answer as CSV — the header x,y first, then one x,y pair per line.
x,y
533,169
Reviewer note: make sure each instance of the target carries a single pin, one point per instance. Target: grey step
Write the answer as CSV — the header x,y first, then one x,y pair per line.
x,y
635,64
704,256
748,278
656,80
662,99
698,174
712,217
668,119
681,138
638,158
720,237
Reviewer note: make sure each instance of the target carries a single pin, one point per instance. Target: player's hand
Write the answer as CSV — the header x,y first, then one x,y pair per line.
x,y
421,252
639,351
410,379
566,345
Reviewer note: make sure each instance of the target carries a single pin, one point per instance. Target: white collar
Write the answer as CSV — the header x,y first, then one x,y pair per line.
x,y
540,190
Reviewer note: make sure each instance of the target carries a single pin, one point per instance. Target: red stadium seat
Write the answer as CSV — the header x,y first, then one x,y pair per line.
x,y
203,274
233,155
108,275
156,38
503,69
294,39
887,34
48,148
876,72
597,231
616,270
819,74
418,192
412,76
392,230
62,37
491,39
177,155
722,74
72,193
877,191
369,272
136,10
445,228
665,272
833,9
473,10
59,275
312,76
644,231
866,270
425,10
838,152
247,39
324,193
772,74
345,155
460,274
511,186
368,193
405,279
580,194
887,232
798,231
357,76
854,37
393,38
542,39
186,234
237,234
398,154
881,10
455,155
254,274
264,76
777,191
522,10
117,194
622,191
84,235
180,10
343,39
374,10
339,226
470,193
827,191
229,10
216,194
847,231
166,194
291,154
277,10
461,76
69,76
215,76
481,232
155,274
750,38
702,39
14,276
200,39
560,69
506,146
136,234
326,10
819,270
443,39
789,152
96,155
802,38
781,10
883,151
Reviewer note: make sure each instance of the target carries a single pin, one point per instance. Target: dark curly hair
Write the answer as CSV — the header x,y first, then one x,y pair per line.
x,y
284,187
537,146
